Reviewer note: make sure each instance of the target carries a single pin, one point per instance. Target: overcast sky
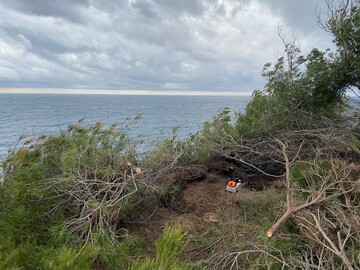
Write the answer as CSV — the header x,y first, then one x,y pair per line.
x,y
203,45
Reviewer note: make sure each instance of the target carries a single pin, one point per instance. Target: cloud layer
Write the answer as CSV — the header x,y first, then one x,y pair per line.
x,y
148,44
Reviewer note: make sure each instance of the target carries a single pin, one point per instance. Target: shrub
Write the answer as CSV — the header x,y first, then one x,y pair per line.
x,y
168,249
197,148
67,193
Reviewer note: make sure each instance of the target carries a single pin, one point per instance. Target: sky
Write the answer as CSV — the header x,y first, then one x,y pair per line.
x,y
157,45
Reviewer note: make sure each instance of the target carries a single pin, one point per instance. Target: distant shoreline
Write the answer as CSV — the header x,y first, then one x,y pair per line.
x,y
122,92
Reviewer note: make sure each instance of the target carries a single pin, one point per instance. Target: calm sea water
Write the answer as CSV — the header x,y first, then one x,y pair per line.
x,y
48,114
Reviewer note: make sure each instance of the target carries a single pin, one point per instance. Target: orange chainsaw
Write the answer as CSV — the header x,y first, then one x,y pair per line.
x,y
234,184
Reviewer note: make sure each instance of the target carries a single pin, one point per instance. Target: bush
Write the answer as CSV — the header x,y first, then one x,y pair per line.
x,y
168,249
198,148
68,258
67,193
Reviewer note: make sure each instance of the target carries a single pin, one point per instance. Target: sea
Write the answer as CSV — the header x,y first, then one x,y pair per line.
x,y
38,114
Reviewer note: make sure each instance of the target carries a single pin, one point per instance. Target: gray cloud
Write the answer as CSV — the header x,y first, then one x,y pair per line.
x,y
146,9
147,44
175,7
299,15
301,18
72,10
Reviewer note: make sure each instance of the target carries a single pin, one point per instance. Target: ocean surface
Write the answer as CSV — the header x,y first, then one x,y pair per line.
x,y
49,113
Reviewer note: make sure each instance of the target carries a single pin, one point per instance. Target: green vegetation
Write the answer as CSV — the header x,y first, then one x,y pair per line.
x,y
65,195
168,248
75,200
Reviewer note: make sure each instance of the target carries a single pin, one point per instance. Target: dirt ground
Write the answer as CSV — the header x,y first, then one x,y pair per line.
x,y
197,191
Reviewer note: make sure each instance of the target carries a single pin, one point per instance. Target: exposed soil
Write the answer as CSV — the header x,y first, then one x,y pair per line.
x,y
193,193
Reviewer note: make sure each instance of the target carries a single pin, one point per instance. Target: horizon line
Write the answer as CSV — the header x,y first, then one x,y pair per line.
x,y
120,92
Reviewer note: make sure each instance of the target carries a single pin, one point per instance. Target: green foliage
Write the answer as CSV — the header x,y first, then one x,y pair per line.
x,y
197,148
344,24
168,152
77,148
168,249
119,255
169,245
300,88
262,114
325,82
277,247
212,134
308,174
17,256
29,254
68,258
354,144
48,182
